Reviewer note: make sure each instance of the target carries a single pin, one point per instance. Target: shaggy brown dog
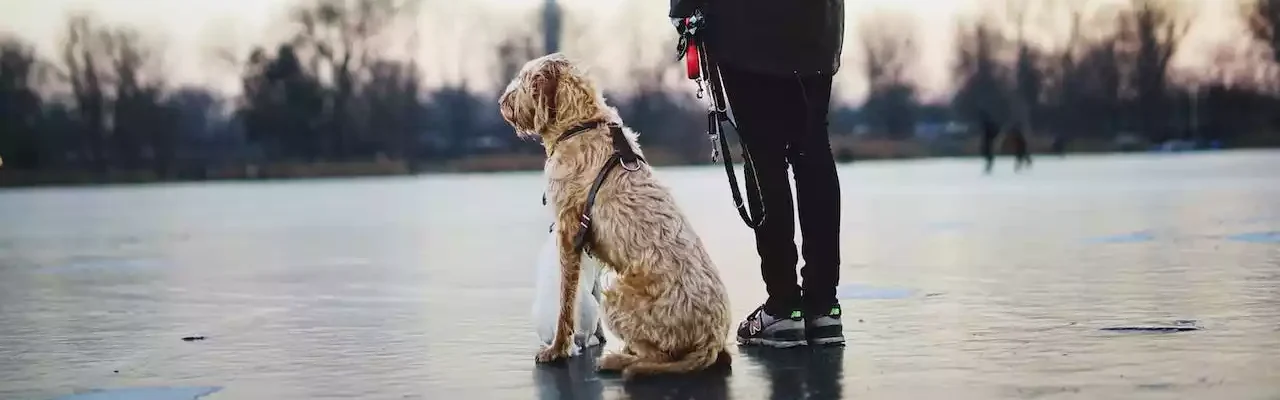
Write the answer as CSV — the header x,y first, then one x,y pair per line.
x,y
667,304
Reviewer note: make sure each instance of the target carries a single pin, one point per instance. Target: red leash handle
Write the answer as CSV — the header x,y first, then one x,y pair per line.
x,y
692,64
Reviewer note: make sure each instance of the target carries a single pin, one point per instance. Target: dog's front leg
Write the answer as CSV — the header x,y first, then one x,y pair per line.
x,y
570,272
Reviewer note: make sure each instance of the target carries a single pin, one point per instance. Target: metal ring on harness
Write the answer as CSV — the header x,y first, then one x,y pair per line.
x,y
621,153
630,168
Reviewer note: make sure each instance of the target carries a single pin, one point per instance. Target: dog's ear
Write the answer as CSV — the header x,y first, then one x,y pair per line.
x,y
545,85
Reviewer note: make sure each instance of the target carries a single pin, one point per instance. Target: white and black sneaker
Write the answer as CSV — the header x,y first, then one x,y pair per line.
x,y
764,329
825,329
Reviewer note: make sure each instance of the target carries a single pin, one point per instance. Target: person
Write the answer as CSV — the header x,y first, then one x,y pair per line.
x,y
1021,150
776,60
1059,145
987,146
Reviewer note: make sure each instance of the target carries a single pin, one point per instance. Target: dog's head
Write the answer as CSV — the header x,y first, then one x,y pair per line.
x,y
547,95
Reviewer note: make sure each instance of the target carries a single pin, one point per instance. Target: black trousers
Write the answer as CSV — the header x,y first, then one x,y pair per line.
x,y
783,122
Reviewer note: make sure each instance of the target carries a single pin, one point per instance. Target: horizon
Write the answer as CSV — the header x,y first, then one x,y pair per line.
x,y
189,34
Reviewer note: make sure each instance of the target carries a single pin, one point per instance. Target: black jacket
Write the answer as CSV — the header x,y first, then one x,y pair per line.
x,y
781,37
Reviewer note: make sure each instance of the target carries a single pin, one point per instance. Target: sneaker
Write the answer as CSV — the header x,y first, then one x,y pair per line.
x,y
764,329
825,329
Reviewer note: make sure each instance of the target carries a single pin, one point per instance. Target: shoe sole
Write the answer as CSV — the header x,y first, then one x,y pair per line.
x,y
827,341
826,335
777,344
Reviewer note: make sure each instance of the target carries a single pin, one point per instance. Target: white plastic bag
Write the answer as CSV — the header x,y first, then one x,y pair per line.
x,y
546,299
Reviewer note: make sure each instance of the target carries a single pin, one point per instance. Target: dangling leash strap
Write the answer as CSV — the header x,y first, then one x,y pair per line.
x,y
703,70
623,155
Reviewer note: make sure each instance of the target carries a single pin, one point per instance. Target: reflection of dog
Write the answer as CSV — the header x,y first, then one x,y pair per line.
x,y
667,304
576,380
546,301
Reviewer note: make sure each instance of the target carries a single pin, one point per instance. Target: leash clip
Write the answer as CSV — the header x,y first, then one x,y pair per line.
x,y
715,152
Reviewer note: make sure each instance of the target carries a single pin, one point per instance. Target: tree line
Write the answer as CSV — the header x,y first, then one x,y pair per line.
x,y
1108,71
332,92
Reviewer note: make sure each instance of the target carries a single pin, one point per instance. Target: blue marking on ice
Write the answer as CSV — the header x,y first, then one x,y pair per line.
x,y
1135,237
1257,237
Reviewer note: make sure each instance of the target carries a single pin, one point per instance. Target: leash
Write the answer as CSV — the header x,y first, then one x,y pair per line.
x,y
623,156
701,68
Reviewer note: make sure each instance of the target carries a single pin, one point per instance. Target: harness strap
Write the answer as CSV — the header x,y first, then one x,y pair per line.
x,y
622,149
574,131
623,155
584,220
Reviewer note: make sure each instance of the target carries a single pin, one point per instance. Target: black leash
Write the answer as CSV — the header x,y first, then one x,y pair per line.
x,y
708,73
623,155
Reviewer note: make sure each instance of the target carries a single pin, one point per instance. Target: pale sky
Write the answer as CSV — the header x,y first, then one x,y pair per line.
x,y
457,35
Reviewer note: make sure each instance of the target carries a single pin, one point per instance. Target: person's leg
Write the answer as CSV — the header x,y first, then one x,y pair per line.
x,y
989,155
1023,160
818,200
765,116
763,122
817,196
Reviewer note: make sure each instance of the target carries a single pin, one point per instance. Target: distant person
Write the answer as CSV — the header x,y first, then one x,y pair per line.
x,y
987,146
776,59
1021,151
1059,145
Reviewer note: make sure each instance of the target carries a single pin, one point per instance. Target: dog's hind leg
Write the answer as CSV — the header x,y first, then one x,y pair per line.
x,y
615,362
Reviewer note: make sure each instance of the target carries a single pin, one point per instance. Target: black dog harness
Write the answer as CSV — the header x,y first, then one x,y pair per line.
x,y
622,155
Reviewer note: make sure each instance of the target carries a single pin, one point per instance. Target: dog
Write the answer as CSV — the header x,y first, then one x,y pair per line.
x,y
667,302
546,302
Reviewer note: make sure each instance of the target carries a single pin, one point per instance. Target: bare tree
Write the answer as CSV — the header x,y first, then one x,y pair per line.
x,y
1028,73
1158,29
1262,18
141,131
84,67
340,34
19,104
979,72
889,52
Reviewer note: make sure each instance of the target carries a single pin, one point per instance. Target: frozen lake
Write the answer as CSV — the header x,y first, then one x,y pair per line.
x,y
957,285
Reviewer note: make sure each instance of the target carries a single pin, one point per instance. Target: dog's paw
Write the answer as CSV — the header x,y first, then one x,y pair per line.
x,y
550,354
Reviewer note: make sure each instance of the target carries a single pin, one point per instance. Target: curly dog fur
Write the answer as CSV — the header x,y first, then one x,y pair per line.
x,y
668,304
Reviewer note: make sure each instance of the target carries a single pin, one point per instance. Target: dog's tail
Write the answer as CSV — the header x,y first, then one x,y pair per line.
x,y
696,360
